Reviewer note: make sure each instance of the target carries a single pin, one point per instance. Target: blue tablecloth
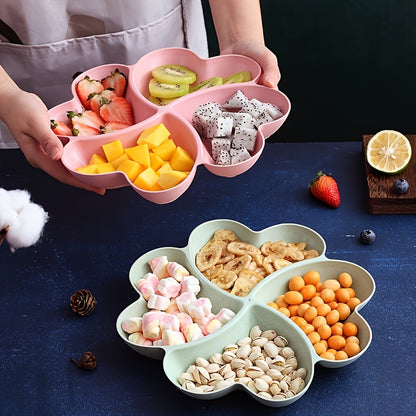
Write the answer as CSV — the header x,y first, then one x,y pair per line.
x,y
91,241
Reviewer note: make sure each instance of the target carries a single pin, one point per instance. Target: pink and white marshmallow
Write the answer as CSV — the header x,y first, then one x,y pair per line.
x,y
158,302
185,321
176,270
200,308
225,315
184,300
168,321
158,265
139,339
193,332
147,285
168,287
131,325
190,284
170,337
151,325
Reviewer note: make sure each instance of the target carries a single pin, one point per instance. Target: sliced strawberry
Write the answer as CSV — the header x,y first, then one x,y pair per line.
x,y
117,81
113,126
86,123
118,109
86,87
60,128
96,99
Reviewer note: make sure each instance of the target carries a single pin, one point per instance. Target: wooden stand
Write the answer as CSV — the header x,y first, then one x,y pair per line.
x,y
382,199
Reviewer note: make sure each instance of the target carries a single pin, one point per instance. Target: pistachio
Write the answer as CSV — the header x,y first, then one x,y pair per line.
x,y
265,395
244,341
244,351
255,332
237,363
269,334
254,372
201,362
261,385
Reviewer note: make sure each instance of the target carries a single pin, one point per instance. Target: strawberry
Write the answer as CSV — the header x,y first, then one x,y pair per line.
x,y
117,81
113,126
96,99
86,87
325,188
86,123
117,110
60,128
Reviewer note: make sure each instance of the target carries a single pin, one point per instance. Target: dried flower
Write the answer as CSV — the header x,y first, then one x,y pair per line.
x,y
87,362
83,302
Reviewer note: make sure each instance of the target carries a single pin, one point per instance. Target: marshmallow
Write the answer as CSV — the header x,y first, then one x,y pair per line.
x,y
131,325
172,308
158,266
168,321
225,315
190,284
151,325
212,326
158,302
168,287
200,308
139,339
193,332
184,321
170,337
147,285
176,270
184,300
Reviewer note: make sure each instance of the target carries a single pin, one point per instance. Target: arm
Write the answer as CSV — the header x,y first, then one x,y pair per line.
x,y
239,28
27,118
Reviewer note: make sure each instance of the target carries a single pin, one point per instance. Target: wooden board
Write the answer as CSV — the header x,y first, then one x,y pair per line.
x,y
382,200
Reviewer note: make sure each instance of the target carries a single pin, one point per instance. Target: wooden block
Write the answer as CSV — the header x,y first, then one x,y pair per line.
x,y
381,198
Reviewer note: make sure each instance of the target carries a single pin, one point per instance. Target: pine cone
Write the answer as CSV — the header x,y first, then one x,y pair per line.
x,y
83,302
87,362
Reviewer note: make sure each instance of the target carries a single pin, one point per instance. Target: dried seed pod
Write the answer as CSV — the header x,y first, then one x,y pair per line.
x,y
83,302
88,361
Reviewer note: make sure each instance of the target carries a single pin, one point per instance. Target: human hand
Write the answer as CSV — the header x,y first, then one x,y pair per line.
x,y
270,76
28,120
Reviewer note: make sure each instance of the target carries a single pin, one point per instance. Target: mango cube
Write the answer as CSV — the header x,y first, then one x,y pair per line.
x,y
96,159
139,153
154,135
120,159
165,150
164,168
88,169
181,160
155,161
113,150
171,178
147,180
131,168
104,167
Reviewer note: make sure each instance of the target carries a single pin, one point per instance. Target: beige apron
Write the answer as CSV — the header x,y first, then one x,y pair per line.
x,y
61,38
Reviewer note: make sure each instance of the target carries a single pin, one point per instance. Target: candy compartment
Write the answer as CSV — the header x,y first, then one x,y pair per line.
x,y
221,66
140,268
178,360
78,152
363,285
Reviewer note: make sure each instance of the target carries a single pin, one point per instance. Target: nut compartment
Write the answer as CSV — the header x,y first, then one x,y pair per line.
x,y
252,309
146,113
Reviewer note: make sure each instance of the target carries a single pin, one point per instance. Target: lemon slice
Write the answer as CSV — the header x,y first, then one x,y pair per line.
x,y
389,152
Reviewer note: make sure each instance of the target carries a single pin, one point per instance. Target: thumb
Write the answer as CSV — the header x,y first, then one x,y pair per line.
x,y
47,139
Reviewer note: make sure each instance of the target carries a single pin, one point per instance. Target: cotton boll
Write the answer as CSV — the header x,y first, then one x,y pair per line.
x,y
7,215
27,230
18,199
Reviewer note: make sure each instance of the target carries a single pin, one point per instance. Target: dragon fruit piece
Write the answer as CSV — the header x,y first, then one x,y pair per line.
x,y
219,127
263,118
239,155
203,114
274,111
252,108
244,138
236,101
223,158
219,143
244,120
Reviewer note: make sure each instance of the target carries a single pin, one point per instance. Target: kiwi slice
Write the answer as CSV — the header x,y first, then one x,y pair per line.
x,y
161,101
210,82
167,90
242,76
174,74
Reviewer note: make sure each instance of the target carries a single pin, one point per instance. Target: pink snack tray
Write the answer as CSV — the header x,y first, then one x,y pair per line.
x,y
176,116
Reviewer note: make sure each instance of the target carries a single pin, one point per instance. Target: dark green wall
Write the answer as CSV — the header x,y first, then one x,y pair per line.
x,y
347,66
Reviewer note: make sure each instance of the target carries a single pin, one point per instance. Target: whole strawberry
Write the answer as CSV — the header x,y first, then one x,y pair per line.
x,y
325,188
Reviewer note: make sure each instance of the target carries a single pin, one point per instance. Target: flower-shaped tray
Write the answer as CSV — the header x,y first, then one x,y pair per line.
x,y
176,116
252,309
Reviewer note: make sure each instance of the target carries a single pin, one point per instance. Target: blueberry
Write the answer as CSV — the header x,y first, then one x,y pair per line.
x,y
400,186
367,236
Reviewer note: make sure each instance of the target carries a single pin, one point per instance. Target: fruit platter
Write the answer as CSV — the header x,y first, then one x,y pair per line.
x,y
238,309
151,124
